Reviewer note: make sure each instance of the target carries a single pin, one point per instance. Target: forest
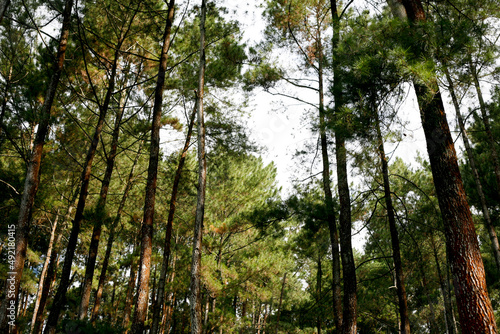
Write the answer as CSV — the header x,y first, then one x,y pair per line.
x,y
135,196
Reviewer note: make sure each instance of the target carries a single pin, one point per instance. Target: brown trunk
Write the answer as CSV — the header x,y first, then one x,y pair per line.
x,y
109,246
60,297
168,232
129,299
33,176
332,224
140,312
101,203
472,163
49,278
349,316
195,297
43,274
279,305
474,305
396,253
318,295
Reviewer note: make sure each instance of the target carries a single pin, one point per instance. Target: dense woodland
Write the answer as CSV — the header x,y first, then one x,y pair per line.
x,y
134,197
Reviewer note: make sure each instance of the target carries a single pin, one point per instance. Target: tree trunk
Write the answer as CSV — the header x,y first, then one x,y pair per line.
x,y
101,203
60,297
448,307
475,310
33,175
129,299
472,163
332,224
195,300
109,246
349,317
396,253
140,312
281,301
318,294
168,233
43,274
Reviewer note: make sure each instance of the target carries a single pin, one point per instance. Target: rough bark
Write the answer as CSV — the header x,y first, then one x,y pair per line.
x,y
109,245
168,233
195,297
472,163
140,312
396,253
33,171
474,305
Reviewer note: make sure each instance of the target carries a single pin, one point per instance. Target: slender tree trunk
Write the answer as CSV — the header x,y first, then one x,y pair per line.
x,y
109,246
60,297
475,310
332,224
281,301
396,253
33,175
448,307
49,279
129,299
43,274
472,163
486,122
101,203
140,312
195,297
168,233
349,317
318,294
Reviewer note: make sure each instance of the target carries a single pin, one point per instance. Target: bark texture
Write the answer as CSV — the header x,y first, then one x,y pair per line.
x,y
474,305
33,171
195,296
472,163
141,306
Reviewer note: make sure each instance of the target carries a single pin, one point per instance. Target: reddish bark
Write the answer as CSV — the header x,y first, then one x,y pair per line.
x,y
140,312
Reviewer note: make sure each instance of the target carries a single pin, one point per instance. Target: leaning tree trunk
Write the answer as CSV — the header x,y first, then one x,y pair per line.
x,y
141,306
474,305
109,246
33,172
349,316
195,297
60,297
396,253
160,295
101,203
332,224
472,163
43,274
